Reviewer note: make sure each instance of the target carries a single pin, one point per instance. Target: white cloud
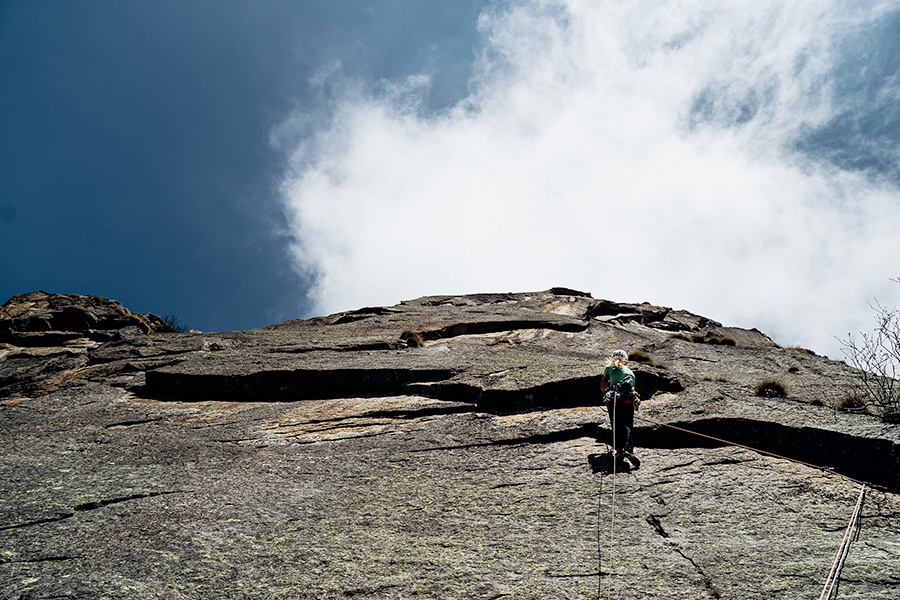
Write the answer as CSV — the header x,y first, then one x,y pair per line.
x,y
641,151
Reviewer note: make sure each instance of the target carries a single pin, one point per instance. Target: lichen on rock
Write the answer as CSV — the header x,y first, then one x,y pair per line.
x,y
330,457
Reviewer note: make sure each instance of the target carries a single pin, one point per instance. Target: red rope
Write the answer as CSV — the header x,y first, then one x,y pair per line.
x,y
752,449
834,574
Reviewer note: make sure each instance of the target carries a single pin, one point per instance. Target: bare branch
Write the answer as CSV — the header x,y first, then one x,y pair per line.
x,y
876,356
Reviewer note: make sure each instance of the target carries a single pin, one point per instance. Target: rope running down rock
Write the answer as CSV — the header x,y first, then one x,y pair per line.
x,y
834,575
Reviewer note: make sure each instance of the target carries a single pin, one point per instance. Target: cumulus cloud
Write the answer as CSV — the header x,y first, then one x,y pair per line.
x,y
648,151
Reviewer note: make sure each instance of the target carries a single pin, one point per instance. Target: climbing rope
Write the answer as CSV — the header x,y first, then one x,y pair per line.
x,y
612,503
849,536
599,542
612,519
751,448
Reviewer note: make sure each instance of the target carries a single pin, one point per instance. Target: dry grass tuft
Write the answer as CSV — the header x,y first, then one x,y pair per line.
x,y
770,388
706,338
643,357
853,402
413,339
801,350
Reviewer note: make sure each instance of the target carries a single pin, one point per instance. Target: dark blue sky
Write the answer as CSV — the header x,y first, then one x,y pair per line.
x,y
135,160
238,163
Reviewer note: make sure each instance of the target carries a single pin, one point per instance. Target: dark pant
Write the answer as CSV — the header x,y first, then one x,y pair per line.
x,y
622,424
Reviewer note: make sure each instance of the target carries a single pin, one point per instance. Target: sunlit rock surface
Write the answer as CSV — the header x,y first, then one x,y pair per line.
x,y
446,447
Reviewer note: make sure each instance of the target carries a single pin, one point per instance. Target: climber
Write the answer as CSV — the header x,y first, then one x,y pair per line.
x,y
621,400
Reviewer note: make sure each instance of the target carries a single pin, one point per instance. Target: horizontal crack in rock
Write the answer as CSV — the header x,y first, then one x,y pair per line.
x,y
564,435
348,348
562,393
483,327
130,423
101,503
287,385
831,449
39,560
421,412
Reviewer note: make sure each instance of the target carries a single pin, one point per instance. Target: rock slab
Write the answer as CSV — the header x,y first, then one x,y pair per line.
x,y
446,447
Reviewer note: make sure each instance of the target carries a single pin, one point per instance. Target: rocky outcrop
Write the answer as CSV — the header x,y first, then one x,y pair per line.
x,y
445,447
42,319
45,338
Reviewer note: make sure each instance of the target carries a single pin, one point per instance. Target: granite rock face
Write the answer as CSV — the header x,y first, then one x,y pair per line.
x,y
446,447
42,319
43,337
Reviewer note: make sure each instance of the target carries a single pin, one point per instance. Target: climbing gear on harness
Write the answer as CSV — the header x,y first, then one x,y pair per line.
x,y
623,393
609,397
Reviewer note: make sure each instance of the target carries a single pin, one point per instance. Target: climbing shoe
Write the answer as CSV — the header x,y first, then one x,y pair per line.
x,y
634,460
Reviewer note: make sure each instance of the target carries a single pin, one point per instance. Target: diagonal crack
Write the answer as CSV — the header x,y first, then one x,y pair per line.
x,y
654,522
563,435
85,507
415,413
100,504
40,560
59,517
707,580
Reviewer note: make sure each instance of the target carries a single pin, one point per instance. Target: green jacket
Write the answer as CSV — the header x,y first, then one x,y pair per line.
x,y
616,376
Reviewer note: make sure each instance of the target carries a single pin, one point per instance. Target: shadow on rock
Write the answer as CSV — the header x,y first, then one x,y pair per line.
x,y
604,463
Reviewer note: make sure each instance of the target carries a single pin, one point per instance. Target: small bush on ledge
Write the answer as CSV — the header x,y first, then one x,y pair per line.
x,y
708,338
173,324
643,357
770,388
854,402
413,339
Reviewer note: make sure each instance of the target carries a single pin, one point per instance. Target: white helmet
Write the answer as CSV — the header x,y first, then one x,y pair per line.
x,y
620,354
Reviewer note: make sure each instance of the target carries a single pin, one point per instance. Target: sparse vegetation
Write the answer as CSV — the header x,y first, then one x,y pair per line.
x,y
413,339
876,356
713,590
801,349
854,402
770,388
643,357
141,322
174,323
706,338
